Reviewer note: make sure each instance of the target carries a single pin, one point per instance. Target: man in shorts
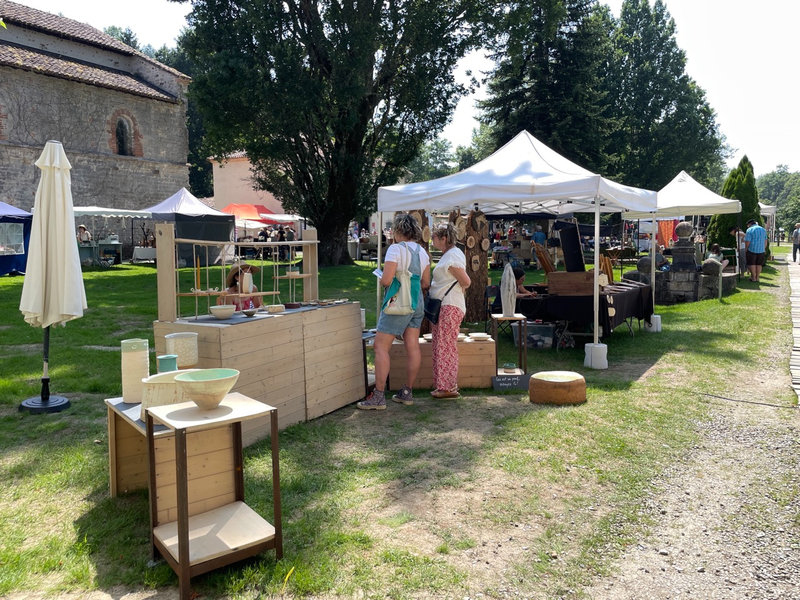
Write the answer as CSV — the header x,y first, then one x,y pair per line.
x,y
755,242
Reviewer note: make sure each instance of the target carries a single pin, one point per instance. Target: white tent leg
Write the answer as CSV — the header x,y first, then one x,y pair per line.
x,y
596,353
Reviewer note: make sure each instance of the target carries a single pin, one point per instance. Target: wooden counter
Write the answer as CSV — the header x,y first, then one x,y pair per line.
x,y
476,364
305,362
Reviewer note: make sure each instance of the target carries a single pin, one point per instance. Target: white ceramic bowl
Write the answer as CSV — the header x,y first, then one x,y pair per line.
x,y
160,389
206,387
223,311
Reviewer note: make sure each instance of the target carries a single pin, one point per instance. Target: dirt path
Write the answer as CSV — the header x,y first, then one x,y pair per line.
x,y
729,518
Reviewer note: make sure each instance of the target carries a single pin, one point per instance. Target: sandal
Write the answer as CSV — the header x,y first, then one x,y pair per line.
x,y
445,394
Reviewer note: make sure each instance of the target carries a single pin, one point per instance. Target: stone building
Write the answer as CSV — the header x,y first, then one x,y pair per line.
x,y
120,115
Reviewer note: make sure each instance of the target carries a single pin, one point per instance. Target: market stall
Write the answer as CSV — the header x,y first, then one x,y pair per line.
x,y
305,361
521,177
15,233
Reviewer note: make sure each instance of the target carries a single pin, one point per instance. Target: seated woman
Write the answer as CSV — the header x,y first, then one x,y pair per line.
x,y
235,282
716,254
522,291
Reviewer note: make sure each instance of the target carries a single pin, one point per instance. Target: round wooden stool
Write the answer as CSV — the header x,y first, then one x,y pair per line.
x,y
557,387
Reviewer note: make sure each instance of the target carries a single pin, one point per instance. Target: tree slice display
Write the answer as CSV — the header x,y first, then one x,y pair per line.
x,y
477,230
426,234
461,228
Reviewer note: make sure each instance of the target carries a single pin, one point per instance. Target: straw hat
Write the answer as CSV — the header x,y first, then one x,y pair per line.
x,y
81,226
240,267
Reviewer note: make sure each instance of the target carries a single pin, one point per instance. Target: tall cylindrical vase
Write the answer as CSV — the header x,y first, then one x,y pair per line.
x,y
184,344
135,367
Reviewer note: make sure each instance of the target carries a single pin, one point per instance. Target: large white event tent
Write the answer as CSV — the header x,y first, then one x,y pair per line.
x,y
683,197
524,176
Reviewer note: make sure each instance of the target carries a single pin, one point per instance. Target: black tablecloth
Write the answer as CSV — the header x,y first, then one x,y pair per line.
x,y
630,299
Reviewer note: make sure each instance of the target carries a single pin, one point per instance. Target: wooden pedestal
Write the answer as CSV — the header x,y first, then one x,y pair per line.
x,y
476,364
306,362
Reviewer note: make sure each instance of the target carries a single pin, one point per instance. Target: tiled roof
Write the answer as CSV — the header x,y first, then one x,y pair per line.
x,y
74,70
37,20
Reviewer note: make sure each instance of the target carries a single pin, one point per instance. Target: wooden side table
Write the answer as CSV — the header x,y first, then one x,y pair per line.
x,y
522,360
206,532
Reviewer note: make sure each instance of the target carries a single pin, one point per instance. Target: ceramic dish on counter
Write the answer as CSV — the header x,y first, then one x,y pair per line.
x,y
275,308
292,305
223,311
250,312
427,336
480,337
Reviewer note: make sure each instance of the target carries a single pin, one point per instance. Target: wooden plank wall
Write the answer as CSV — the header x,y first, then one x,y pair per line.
x,y
476,365
334,364
210,472
305,364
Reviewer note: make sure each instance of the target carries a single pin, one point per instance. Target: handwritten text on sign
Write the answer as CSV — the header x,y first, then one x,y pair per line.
x,y
511,382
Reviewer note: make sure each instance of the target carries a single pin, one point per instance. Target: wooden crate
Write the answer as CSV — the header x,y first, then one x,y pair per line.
x,y
562,283
305,364
476,365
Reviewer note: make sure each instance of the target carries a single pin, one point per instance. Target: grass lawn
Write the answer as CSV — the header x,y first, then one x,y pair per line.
x,y
487,494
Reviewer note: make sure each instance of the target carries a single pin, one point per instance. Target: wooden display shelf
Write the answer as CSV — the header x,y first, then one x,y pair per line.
x,y
293,275
217,533
476,364
305,362
223,293
201,536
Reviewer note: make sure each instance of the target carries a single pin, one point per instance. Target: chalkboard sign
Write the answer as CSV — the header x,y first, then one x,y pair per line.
x,y
510,382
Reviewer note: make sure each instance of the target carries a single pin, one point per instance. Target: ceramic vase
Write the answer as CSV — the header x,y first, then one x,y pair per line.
x,y
508,291
135,367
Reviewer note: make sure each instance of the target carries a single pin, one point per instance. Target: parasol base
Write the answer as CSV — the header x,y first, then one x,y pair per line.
x,y
37,406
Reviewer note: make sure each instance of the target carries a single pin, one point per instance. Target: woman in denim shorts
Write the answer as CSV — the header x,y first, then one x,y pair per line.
x,y
405,250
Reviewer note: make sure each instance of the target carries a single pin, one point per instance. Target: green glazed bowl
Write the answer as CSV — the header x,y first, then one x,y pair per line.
x,y
206,387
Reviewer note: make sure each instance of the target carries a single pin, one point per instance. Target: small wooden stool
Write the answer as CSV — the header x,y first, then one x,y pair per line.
x,y
557,387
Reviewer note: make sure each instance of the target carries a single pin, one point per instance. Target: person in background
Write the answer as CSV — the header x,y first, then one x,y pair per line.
x,y
84,235
231,295
738,236
539,236
522,291
403,251
795,241
755,242
450,274
716,254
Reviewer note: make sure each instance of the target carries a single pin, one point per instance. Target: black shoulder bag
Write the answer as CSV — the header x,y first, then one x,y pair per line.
x,y
434,305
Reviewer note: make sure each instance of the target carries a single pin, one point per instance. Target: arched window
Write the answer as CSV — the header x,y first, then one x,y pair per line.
x,y
124,137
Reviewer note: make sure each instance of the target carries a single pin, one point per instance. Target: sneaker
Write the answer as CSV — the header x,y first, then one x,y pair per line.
x,y
375,401
445,394
404,396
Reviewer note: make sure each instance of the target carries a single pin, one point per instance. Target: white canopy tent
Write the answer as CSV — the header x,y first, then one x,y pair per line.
x,y
523,176
99,211
682,197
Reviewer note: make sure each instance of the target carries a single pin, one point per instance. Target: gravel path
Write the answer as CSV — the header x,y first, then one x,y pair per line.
x,y
730,522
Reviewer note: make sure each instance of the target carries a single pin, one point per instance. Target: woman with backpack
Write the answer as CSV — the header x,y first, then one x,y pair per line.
x,y
406,264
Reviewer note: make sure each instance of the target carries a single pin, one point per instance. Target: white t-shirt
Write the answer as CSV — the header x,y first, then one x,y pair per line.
x,y
443,279
402,257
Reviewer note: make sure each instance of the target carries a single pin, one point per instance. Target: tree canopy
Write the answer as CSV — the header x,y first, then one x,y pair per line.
x,y
552,57
329,100
740,185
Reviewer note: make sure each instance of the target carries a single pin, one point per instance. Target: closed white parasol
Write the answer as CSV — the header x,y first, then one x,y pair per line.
x,y
52,292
